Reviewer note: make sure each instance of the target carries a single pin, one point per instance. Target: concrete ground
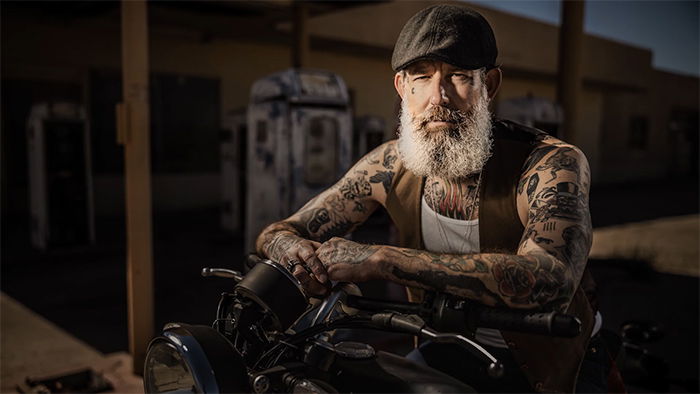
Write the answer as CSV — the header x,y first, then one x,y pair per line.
x,y
669,244
34,347
644,258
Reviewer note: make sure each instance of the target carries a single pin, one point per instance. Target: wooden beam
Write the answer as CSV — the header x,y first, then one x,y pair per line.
x,y
570,72
133,133
300,30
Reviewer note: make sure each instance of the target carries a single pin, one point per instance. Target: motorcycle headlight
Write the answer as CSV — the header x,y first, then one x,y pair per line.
x,y
193,359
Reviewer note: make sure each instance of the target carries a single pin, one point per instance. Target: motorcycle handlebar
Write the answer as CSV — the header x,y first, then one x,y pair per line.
x,y
549,323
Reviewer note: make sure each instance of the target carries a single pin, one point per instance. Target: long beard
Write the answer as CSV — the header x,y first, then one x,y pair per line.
x,y
451,152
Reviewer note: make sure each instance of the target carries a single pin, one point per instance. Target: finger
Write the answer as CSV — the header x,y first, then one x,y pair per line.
x,y
315,244
308,255
311,285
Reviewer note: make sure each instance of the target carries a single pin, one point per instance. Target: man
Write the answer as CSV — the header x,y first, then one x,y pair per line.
x,y
487,210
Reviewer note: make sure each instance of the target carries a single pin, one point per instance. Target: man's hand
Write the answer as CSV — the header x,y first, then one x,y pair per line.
x,y
298,255
348,261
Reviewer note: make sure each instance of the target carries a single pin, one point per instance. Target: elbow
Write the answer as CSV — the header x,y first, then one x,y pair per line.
x,y
556,296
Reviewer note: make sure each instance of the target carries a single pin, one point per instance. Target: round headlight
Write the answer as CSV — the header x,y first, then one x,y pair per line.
x,y
166,371
193,359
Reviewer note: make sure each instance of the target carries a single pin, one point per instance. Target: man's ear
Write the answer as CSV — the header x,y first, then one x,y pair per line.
x,y
398,83
493,81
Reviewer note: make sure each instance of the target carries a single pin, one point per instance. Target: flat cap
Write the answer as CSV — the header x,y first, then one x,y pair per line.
x,y
454,34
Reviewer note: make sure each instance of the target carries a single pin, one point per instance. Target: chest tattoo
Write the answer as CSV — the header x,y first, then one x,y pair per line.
x,y
454,199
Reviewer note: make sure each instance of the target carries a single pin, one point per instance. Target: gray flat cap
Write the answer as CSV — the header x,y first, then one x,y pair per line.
x,y
454,34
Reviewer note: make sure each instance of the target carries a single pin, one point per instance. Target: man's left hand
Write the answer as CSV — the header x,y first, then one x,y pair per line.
x,y
348,261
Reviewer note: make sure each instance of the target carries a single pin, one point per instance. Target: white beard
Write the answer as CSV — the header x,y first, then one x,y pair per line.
x,y
451,153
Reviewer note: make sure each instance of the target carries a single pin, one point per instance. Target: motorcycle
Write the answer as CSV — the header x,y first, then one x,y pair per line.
x,y
269,336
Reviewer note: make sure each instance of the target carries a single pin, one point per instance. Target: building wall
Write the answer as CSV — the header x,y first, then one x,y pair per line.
x,y
39,51
619,81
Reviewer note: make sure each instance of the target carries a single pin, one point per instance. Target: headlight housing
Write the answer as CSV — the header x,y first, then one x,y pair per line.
x,y
193,359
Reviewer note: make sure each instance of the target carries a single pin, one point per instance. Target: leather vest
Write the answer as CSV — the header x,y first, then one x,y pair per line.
x,y
550,364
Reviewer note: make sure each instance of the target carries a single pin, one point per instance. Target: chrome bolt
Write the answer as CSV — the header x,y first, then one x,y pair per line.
x,y
261,384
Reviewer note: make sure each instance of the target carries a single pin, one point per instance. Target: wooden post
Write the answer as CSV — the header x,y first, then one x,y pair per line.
x,y
300,33
570,57
133,133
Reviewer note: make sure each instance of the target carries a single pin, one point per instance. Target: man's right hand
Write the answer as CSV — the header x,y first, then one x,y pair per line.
x,y
298,256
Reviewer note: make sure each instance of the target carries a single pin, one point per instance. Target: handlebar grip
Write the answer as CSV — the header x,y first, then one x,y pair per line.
x,y
551,323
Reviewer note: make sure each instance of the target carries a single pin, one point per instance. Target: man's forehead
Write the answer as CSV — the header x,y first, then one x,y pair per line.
x,y
431,64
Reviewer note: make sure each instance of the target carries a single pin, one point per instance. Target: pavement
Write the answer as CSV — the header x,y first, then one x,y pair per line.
x,y
33,347
669,244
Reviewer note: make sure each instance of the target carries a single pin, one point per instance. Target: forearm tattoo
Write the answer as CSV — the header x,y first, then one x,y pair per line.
x,y
348,252
533,281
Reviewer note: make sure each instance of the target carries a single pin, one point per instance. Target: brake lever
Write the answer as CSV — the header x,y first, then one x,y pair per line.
x,y
413,324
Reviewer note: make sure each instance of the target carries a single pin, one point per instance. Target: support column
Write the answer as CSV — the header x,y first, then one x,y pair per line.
x,y
133,132
300,34
570,57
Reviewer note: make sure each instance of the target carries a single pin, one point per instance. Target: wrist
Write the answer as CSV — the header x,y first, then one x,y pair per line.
x,y
379,264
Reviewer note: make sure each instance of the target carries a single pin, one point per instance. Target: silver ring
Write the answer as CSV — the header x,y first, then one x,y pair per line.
x,y
291,264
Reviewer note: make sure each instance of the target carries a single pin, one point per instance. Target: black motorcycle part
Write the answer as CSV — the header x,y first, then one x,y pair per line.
x,y
551,323
211,359
389,373
275,290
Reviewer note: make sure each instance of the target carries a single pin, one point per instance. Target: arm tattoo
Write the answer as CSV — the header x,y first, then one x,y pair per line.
x,y
390,157
531,281
532,186
349,252
564,201
537,155
279,244
358,187
383,177
561,160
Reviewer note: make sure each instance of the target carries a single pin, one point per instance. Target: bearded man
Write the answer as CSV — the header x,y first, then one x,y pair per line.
x,y
490,211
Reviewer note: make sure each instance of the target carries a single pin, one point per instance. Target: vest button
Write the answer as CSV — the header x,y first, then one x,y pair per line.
x,y
539,386
511,345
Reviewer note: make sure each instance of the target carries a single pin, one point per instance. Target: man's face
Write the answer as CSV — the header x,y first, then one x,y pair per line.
x,y
445,128
431,83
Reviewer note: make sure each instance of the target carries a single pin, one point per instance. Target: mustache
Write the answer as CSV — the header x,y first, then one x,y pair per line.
x,y
440,114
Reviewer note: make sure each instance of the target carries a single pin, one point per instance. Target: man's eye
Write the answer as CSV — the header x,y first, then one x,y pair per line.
x,y
462,77
421,77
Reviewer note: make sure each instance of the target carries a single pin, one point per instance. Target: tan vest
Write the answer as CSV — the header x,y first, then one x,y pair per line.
x,y
550,364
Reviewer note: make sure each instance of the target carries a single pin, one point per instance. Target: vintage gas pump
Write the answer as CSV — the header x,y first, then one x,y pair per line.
x,y
60,176
299,143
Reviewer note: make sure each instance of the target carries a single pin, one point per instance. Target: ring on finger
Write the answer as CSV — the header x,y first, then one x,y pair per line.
x,y
291,264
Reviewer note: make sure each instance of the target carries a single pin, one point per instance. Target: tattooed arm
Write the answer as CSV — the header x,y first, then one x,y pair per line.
x,y
553,204
335,212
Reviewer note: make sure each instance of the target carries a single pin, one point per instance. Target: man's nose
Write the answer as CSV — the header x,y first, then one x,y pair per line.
x,y
438,95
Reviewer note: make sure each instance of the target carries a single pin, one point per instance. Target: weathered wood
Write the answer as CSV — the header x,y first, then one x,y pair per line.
x,y
300,31
134,134
570,68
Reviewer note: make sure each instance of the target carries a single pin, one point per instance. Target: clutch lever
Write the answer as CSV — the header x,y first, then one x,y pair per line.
x,y
222,273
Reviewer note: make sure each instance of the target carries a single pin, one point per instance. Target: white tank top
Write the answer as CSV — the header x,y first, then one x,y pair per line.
x,y
442,234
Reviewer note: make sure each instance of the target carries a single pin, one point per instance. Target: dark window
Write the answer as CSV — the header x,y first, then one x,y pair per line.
x,y
638,132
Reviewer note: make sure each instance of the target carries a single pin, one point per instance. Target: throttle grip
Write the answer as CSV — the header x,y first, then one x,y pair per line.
x,y
549,323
